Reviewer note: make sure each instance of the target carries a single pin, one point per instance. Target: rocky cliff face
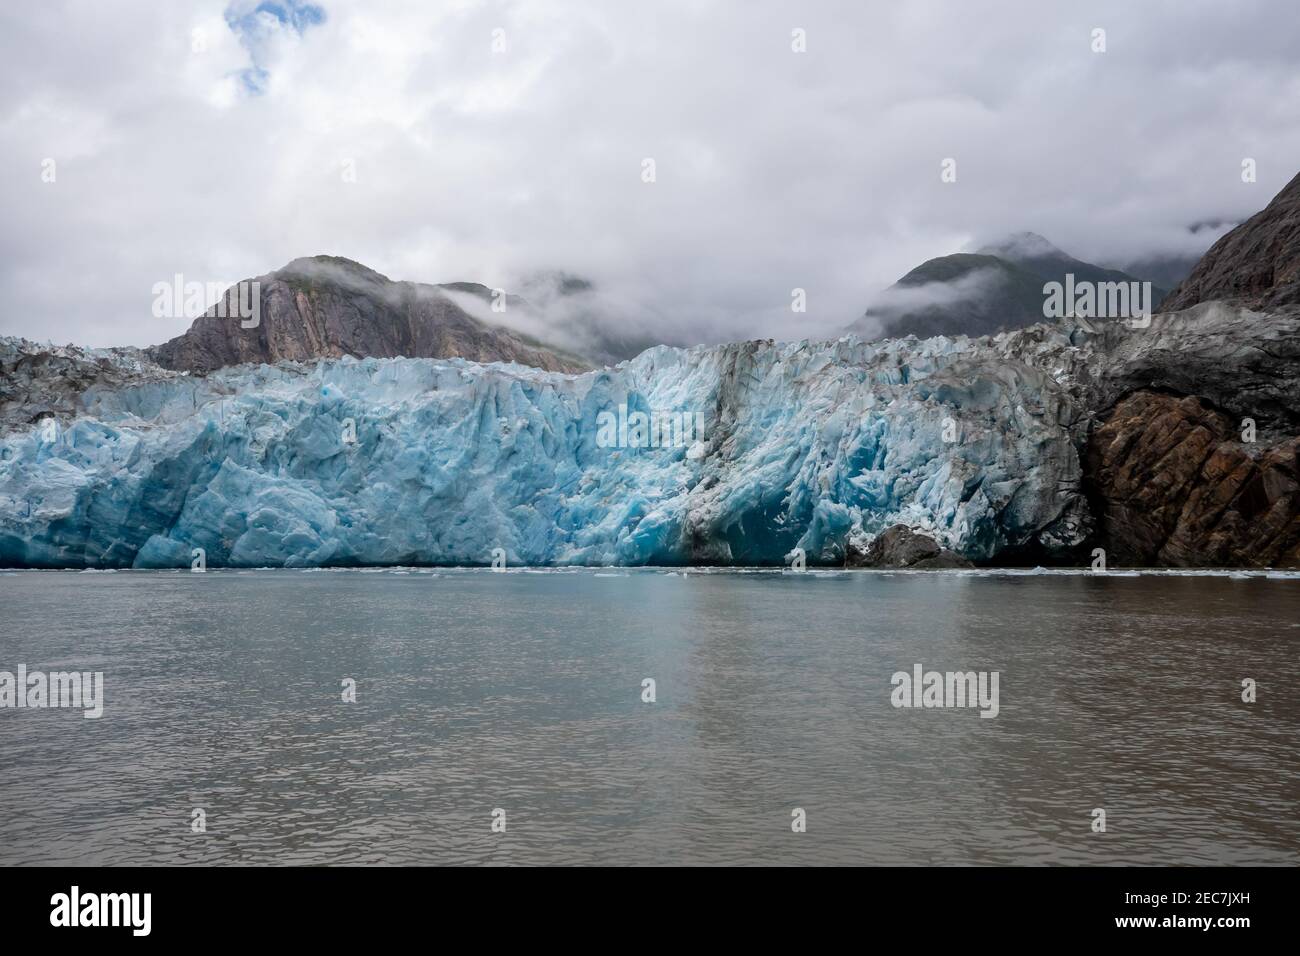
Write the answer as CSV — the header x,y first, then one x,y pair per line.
x,y
325,307
1185,485
1257,263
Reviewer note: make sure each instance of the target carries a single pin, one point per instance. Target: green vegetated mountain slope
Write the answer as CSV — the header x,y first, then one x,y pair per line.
x,y
996,288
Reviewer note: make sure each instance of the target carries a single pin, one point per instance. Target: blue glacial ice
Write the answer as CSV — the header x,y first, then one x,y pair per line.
x,y
803,446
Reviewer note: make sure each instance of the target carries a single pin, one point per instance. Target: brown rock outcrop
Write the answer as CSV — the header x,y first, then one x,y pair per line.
x,y
326,307
1178,487
901,547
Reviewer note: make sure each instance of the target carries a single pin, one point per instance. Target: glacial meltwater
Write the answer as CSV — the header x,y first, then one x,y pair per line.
x,y
436,716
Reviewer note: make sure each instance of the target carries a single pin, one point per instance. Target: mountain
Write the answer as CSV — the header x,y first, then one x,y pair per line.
x,y
573,312
1257,263
1162,270
960,294
996,288
1032,252
328,307
1032,447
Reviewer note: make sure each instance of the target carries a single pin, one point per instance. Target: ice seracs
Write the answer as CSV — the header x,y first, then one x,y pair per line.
x,y
974,443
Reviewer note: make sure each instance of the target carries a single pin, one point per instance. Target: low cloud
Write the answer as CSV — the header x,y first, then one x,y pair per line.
x,y
408,138
900,300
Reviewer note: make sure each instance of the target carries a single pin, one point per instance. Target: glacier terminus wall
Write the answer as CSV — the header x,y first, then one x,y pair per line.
x,y
427,462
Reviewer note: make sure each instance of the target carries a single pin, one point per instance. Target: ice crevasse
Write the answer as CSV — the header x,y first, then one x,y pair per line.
x,y
424,461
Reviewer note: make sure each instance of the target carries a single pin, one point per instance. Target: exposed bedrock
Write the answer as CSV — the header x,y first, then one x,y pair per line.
x,y
1178,486
901,547
328,307
1256,264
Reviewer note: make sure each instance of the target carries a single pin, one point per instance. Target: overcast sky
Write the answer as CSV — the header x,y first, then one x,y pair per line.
x,y
214,140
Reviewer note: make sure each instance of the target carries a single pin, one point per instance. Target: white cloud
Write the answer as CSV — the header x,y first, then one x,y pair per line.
x,y
776,169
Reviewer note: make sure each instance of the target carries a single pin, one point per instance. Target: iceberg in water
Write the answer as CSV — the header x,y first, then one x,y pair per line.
x,y
730,454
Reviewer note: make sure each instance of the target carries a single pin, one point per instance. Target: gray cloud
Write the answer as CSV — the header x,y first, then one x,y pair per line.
x,y
900,300
775,169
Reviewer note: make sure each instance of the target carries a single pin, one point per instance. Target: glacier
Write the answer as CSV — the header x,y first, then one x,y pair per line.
x,y
805,445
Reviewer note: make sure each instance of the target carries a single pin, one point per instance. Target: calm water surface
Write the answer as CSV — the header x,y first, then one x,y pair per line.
x,y
478,690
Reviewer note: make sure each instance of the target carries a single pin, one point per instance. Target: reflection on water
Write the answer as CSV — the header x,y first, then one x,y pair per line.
x,y
522,690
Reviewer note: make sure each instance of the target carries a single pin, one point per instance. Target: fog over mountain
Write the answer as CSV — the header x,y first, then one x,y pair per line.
x,y
1257,262
220,141
996,287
